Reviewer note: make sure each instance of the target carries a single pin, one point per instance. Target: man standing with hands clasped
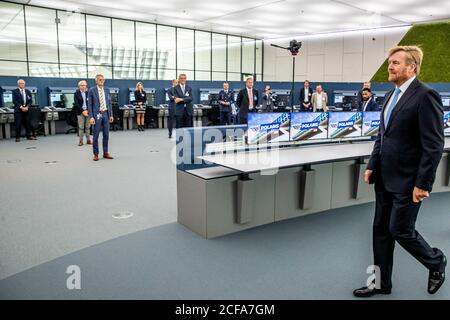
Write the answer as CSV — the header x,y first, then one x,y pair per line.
x,y
403,167
100,114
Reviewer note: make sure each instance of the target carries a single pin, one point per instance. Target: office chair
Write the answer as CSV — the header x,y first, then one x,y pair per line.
x,y
116,115
72,121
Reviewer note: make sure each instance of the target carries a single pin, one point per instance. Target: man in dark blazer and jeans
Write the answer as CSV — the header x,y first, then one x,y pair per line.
x,y
403,166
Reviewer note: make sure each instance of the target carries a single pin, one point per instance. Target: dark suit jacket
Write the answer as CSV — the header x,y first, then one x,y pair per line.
x,y
94,102
18,99
187,104
225,97
138,97
243,103
78,102
170,93
407,152
302,95
371,106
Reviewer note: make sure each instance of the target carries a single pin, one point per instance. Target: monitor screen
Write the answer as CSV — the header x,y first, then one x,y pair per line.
x,y
131,96
7,99
236,95
268,127
447,123
371,123
338,99
204,96
344,124
167,97
309,125
446,101
62,100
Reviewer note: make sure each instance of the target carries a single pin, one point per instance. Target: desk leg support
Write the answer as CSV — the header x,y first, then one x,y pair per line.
x,y
359,186
447,178
1,132
124,123
307,183
130,123
7,131
245,200
52,127
46,128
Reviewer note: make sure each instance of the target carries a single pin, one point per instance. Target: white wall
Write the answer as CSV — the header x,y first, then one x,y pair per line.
x,y
339,57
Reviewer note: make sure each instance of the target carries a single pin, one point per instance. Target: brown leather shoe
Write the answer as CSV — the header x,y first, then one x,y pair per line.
x,y
107,156
17,139
89,142
80,143
95,157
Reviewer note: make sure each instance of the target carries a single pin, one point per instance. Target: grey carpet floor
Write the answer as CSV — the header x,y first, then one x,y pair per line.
x,y
320,256
50,210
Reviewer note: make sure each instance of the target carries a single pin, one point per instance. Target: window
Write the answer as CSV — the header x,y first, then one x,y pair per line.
x,y
248,56
259,59
219,52
185,49
72,38
99,41
10,68
123,49
67,44
41,35
12,32
166,49
234,54
202,55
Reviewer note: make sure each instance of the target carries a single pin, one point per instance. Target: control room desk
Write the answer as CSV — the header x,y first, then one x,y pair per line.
x,y
248,189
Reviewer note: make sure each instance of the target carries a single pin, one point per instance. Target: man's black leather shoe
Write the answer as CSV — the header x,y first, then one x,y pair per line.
x,y
437,278
366,292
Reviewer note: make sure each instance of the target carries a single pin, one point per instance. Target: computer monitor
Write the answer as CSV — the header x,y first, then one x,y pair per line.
x,y
131,98
344,124
371,123
7,100
309,126
204,96
351,101
62,99
282,100
268,127
447,123
446,101
338,98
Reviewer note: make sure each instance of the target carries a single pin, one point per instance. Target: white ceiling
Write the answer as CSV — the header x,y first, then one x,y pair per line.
x,y
266,19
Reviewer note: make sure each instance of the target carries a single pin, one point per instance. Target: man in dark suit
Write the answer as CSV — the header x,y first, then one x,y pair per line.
x,y
247,101
403,165
368,102
22,101
80,108
305,97
366,85
100,114
183,103
170,94
226,99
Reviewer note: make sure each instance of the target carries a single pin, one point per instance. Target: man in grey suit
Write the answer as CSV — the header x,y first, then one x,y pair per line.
x,y
100,114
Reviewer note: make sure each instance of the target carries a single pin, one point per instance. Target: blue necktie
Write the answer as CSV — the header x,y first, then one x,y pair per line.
x,y
391,106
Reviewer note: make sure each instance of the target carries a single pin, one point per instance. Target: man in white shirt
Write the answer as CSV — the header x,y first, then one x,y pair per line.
x,y
319,100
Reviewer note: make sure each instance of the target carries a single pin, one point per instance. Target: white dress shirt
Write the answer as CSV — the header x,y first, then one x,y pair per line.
x,y
402,88
306,99
319,101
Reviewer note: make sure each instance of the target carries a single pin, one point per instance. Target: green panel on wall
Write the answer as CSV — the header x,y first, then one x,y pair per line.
x,y
434,39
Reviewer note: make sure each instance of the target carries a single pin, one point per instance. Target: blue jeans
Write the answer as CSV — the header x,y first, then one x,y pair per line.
x,y
101,125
